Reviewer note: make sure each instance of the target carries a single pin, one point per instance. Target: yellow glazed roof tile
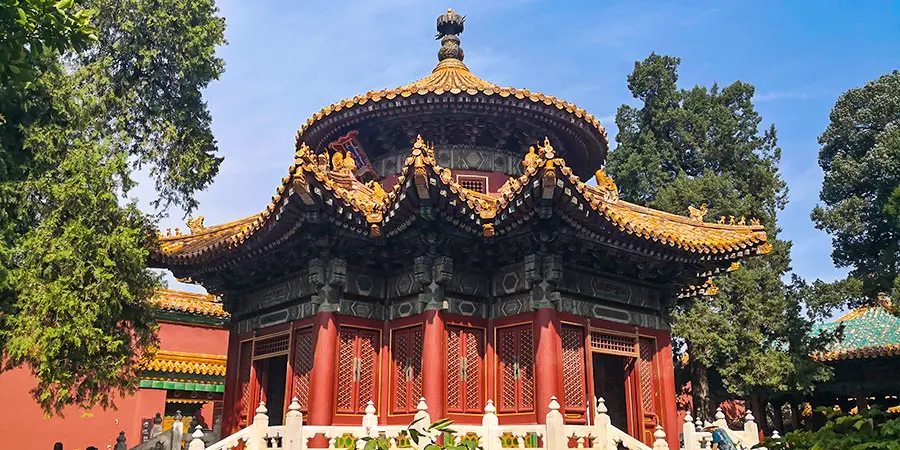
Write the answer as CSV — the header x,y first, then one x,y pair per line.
x,y
186,363
690,234
189,303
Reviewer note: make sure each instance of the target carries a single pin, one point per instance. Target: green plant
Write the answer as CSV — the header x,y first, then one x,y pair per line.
x,y
872,429
417,434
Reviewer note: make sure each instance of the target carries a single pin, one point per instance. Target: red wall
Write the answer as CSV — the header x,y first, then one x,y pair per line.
x,y
192,339
78,429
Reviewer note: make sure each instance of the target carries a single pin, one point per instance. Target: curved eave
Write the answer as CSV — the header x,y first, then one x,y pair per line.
x,y
884,351
546,179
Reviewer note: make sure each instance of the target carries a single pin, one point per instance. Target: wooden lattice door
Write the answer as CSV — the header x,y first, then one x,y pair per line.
x,y
245,361
574,369
648,377
465,369
406,358
301,365
515,352
357,366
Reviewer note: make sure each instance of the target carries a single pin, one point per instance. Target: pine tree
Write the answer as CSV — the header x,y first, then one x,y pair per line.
x,y
686,147
74,285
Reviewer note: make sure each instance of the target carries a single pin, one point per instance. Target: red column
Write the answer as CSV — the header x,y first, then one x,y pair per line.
x,y
671,424
548,361
231,417
321,395
434,366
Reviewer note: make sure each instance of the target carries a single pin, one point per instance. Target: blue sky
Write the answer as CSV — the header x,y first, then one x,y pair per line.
x,y
288,59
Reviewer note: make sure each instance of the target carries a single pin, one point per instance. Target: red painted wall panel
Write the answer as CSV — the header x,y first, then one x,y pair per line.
x,y
78,428
192,339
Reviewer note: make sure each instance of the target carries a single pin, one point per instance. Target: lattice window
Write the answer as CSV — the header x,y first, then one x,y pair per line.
x,y
245,360
647,375
465,369
272,346
406,355
574,372
302,366
357,362
614,344
473,183
516,375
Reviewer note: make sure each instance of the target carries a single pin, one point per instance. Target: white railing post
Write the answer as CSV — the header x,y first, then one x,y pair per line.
x,y
490,424
258,429
293,427
751,429
177,430
659,442
157,426
370,421
422,421
555,438
720,419
601,425
197,443
690,433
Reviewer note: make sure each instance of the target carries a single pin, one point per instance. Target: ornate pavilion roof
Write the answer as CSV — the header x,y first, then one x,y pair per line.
x,y
869,332
190,303
553,174
371,212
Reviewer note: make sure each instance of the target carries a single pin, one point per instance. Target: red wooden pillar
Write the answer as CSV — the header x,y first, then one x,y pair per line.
x,y
322,376
548,361
434,365
667,389
231,416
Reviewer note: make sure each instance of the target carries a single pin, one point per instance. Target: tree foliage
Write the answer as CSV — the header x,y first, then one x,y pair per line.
x,y
686,147
74,288
860,155
29,27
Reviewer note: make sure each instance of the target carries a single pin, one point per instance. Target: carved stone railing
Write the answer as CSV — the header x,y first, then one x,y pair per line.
x,y
697,439
490,435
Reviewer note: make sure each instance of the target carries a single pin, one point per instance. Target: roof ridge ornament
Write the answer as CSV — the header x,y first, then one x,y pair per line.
x,y
449,26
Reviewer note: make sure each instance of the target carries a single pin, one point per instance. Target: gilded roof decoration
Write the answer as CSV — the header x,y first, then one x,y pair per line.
x,y
189,303
869,332
313,175
186,364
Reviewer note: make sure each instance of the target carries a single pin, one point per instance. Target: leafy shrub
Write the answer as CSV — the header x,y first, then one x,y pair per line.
x,y
870,430
429,434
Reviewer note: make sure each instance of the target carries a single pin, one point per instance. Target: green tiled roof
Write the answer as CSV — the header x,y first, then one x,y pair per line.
x,y
869,332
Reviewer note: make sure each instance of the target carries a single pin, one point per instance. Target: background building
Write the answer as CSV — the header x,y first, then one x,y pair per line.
x,y
187,374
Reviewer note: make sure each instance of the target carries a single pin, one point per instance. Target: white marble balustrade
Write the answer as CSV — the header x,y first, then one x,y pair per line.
x,y
554,435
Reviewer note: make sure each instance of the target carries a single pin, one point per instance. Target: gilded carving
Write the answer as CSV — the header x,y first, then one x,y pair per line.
x,y
697,213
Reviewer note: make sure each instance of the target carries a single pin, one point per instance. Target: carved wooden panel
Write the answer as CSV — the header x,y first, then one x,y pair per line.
x,y
302,366
465,369
246,359
406,359
515,354
574,373
357,365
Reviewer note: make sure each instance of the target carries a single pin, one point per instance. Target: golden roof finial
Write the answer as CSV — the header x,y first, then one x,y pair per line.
x,y
420,143
337,161
697,213
195,224
530,159
711,288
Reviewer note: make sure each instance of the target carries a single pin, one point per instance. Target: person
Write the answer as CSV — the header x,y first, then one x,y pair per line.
x,y
57,446
720,438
